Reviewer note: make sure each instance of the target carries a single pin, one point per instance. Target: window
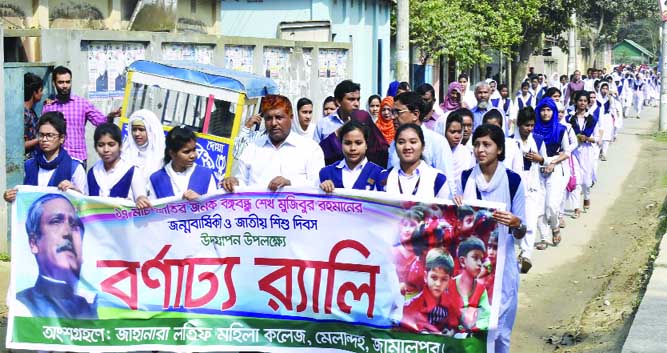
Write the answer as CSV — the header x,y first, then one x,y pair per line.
x,y
222,119
171,107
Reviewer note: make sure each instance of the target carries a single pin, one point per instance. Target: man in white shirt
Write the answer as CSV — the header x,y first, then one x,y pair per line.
x,y
278,158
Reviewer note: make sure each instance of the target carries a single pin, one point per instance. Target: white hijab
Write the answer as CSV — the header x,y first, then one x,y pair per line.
x,y
497,188
149,157
296,127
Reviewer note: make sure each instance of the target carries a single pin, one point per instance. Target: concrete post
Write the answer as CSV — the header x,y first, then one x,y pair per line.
x,y
114,18
403,41
41,14
572,46
663,79
4,228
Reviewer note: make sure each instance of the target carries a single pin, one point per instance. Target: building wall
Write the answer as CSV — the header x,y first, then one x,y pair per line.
x,y
360,23
101,14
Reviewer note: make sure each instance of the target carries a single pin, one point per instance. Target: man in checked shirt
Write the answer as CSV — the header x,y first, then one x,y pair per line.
x,y
77,110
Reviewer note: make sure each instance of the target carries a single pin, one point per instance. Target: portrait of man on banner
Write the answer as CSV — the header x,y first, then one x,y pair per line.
x,y
55,237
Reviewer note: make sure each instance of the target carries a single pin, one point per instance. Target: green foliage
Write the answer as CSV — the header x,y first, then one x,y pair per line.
x,y
465,29
601,21
643,31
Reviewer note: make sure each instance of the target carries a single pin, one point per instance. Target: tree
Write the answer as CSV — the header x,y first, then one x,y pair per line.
x,y
601,21
465,30
553,18
643,32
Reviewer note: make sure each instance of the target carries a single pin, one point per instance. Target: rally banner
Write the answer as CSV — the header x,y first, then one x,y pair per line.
x,y
357,272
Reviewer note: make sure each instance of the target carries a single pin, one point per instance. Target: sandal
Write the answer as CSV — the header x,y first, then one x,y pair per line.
x,y
541,245
577,213
561,222
525,264
587,205
555,238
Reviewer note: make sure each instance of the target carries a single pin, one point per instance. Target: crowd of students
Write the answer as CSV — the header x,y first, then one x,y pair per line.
x,y
537,153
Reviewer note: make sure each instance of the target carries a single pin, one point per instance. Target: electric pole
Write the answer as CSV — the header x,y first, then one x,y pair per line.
x,y
403,41
572,46
663,78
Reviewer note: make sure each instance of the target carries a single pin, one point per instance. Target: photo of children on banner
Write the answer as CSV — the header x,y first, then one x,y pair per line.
x,y
446,263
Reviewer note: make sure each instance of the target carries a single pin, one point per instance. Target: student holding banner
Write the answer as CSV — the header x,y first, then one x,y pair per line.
x,y
489,180
413,176
144,145
355,171
51,165
180,176
111,176
278,158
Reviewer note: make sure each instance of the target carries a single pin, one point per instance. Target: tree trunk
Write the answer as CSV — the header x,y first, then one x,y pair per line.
x,y
520,66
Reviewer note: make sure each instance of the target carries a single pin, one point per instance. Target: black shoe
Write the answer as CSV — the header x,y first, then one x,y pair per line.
x,y
525,265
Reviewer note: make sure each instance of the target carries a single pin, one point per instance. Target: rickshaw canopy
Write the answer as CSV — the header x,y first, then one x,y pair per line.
x,y
253,86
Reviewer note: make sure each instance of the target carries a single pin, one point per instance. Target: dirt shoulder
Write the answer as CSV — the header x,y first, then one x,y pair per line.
x,y
587,304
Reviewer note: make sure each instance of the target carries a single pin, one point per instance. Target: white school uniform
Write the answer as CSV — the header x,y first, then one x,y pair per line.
x,y
586,155
553,186
78,178
180,181
107,179
421,183
534,192
463,158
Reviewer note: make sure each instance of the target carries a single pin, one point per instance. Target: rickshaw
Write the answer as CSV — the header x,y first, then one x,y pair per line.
x,y
213,101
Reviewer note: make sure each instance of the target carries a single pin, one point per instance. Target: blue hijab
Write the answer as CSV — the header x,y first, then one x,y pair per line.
x,y
550,130
393,87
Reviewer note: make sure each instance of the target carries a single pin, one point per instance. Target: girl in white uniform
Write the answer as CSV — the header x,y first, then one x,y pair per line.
x,y
414,176
587,128
556,141
489,180
143,147
606,120
463,156
571,197
534,154
111,176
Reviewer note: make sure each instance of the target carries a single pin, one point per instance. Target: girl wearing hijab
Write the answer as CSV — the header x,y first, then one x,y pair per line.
x,y
385,122
639,96
51,165
373,106
354,171
548,127
377,145
495,95
143,147
304,125
587,129
489,180
413,176
111,176
605,118
453,99
571,197
451,103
